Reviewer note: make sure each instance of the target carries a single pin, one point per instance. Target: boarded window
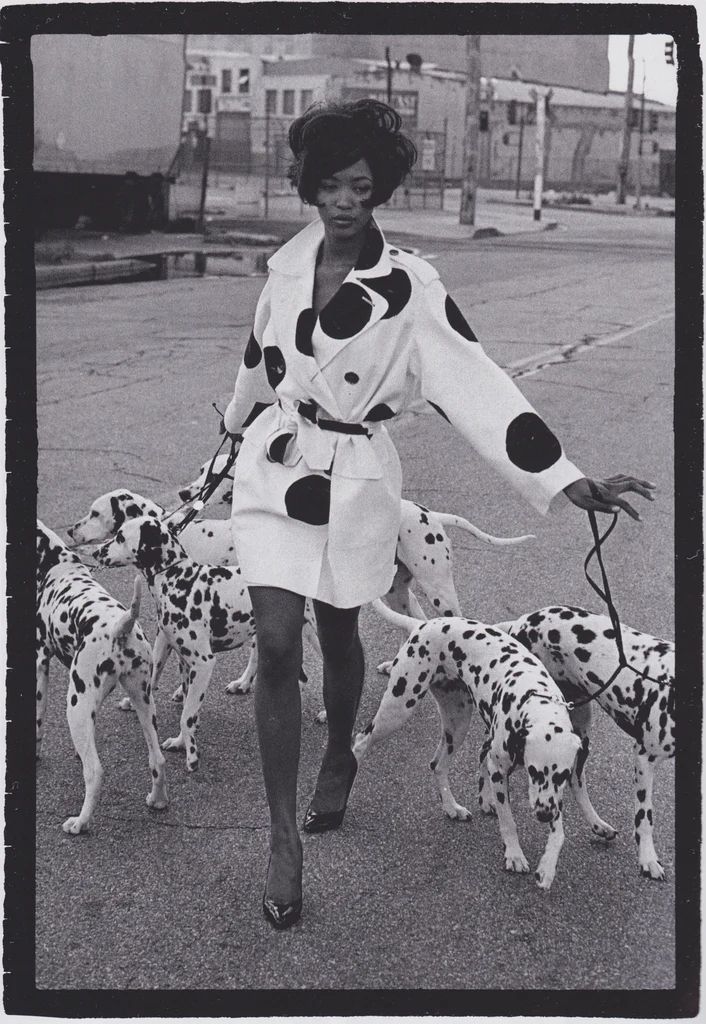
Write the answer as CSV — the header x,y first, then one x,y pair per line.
x,y
271,101
226,80
288,101
204,101
305,99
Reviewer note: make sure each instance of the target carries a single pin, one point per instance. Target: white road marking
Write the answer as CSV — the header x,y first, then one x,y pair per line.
x,y
550,356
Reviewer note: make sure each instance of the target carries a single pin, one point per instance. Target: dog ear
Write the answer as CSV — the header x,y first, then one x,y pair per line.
x,y
118,514
48,553
516,744
149,549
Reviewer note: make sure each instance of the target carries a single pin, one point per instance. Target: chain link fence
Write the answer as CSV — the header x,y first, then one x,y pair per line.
x,y
242,172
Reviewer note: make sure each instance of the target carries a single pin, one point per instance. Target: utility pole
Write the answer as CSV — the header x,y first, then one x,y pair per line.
x,y
623,163
540,96
638,177
470,141
389,76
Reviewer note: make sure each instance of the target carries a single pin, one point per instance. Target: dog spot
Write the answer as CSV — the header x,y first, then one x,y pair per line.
x,y
582,654
347,313
275,366
253,352
583,635
399,687
304,331
457,320
395,288
309,499
530,444
351,378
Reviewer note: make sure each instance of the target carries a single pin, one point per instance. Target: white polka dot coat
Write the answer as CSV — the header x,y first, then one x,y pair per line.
x,y
317,488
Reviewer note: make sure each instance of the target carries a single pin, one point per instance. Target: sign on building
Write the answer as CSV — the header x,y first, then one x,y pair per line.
x,y
405,102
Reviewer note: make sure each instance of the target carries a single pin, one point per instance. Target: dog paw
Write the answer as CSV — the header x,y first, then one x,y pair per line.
x,y
457,812
320,718
602,830
192,765
516,862
173,743
487,808
544,878
74,826
125,704
240,686
384,668
652,869
157,801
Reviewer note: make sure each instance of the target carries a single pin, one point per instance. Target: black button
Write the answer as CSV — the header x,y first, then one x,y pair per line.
x,y
351,377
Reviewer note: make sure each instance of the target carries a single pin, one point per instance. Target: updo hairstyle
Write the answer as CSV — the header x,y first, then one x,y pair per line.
x,y
331,136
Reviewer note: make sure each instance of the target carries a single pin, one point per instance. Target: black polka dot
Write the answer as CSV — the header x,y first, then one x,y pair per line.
x,y
372,250
255,412
277,448
395,289
253,352
309,500
379,412
347,313
304,331
351,377
457,320
275,365
530,443
439,410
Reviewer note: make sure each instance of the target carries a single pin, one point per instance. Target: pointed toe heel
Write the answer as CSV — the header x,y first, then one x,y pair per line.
x,y
327,821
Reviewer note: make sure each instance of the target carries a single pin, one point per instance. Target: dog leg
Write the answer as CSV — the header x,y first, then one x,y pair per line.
x,y
581,721
43,659
546,869
398,703
138,687
650,866
245,683
485,790
399,597
199,678
455,707
515,859
81,709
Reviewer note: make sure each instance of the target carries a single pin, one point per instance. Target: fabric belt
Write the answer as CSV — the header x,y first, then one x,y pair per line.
x,y
309,412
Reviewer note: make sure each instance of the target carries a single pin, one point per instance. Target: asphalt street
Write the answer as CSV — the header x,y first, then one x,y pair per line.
x,y
400,897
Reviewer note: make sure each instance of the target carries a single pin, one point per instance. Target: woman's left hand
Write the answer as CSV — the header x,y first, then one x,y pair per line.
x,y
602,495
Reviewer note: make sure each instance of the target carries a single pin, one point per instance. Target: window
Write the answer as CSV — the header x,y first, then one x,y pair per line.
x,y
226,80
483,121
306,98
187,101
634,118
203,80
271,101
204,101
244,81
288,101
654,121
512,112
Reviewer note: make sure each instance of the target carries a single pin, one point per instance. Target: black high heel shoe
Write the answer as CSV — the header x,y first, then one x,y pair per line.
x,y
327,821
280,915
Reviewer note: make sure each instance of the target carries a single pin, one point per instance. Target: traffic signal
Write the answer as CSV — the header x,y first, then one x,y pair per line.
x,y
669,51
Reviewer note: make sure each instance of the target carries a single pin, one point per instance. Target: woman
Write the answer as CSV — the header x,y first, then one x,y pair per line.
x,y
349,332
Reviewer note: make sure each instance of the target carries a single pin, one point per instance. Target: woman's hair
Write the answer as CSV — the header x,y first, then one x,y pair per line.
x,y
331,136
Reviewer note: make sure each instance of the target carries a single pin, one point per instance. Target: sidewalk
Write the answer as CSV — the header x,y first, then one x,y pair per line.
x,y
240,246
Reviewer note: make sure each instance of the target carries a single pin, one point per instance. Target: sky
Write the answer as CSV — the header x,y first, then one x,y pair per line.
x,y
661,78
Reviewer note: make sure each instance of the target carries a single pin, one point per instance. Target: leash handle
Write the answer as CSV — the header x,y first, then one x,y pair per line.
x,y
210,483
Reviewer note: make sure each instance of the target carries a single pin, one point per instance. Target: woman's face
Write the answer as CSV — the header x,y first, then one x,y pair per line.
x,y
341,198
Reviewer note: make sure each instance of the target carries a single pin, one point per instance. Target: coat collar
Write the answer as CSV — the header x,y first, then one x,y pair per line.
x,y
297,257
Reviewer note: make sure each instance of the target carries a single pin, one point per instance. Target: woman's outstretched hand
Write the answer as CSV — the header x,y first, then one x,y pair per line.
x,y
602,495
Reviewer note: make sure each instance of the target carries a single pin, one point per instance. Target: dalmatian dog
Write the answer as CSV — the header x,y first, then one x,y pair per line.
x,y
101,643
423,550
207,541
578,649
465,663
202,610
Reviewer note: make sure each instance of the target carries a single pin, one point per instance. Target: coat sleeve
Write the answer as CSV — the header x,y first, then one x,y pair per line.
x,y
469,390
253,392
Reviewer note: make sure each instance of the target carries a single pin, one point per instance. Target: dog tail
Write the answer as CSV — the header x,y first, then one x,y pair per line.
x,y
128,620
505,626
449,519
405,622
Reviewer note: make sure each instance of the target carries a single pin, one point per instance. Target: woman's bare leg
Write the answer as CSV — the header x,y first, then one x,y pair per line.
x,y
279,617
344,669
